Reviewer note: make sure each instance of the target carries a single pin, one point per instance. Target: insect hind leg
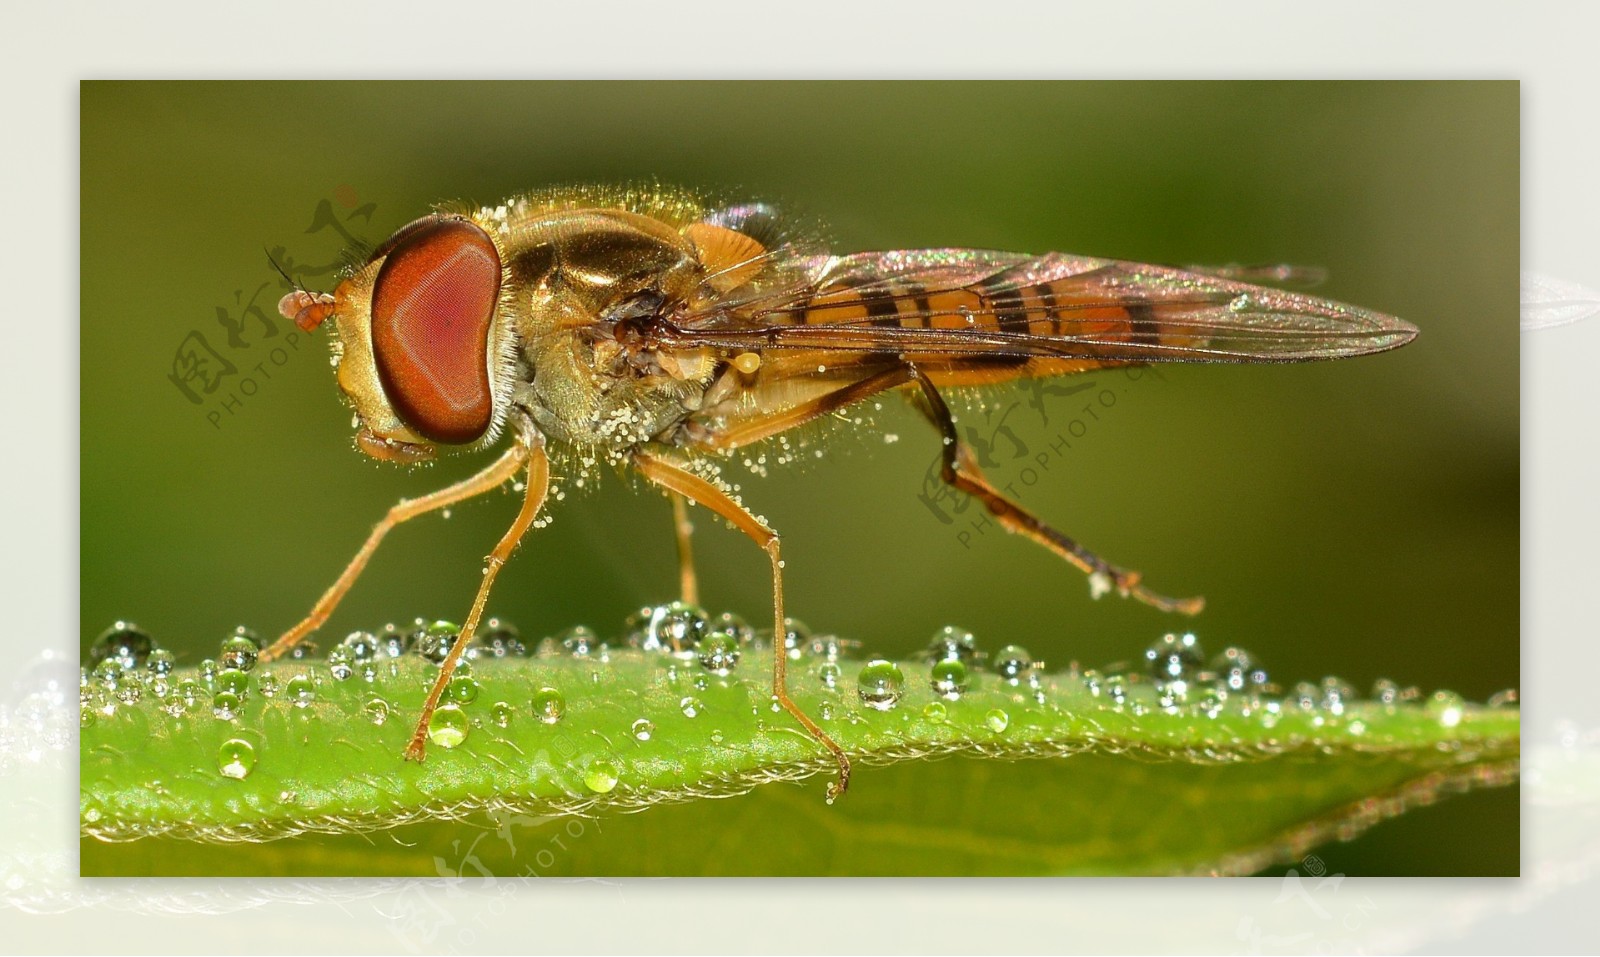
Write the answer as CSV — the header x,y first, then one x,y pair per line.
x,y
960,471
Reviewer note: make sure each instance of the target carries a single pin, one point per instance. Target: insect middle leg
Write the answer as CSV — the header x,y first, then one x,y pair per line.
x,y
533,500
959,471
688,584
497,474
679,481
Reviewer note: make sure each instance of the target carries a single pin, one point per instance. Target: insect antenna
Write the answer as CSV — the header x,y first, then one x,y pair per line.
x,y
278,268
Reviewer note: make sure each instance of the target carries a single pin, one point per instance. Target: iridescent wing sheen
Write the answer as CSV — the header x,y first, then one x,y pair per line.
x,y
959,305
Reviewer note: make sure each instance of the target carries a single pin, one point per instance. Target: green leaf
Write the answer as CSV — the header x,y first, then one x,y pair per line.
x,y
1062,773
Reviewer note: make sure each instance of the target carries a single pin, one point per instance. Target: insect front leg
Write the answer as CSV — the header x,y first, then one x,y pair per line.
x,y
677,480
538,486
960,471
496,475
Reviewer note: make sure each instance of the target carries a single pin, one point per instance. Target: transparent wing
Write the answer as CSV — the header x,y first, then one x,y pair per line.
x,y
957,303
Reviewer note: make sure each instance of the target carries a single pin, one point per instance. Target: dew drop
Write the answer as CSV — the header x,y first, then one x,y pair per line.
x,y
1012,662
949,678
549,705
86,716
1336,695
208,670
339,665
301,691
225,705
233,681
499,639
393,641
185,698
448,726
718,653
361,647
691,707
267,684
952,643
600,777
1237,671
579,641
997,720
1173,661
437,640
880,684
1447,707
936,712
124,642
829,673
734,627
1385,692
796,638
1503,699
501,714
1304,696
377,710
236,759
1209,702
240,650
108,674
129,691
675,628
643,729
462,689
306,650
160,662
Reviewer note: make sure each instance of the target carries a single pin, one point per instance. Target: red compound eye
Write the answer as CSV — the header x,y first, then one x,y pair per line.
x,y
432,306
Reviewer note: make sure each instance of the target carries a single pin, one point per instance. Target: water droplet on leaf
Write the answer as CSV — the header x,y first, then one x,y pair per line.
x,y
236,759
549,705
880,684
449,726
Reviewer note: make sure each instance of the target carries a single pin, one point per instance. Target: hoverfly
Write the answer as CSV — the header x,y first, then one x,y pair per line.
x,y
647,328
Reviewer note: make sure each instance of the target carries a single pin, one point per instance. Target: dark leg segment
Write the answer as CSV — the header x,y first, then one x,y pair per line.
x,y
961,472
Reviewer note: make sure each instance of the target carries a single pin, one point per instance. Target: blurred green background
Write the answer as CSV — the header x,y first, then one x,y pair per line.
x,y
1356,518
